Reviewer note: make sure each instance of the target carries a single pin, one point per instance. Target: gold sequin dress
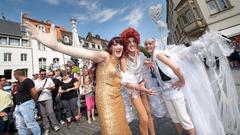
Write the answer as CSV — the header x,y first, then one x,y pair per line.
x,y
109,102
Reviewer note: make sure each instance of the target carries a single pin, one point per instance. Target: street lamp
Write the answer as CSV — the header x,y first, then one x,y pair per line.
x,y
75,39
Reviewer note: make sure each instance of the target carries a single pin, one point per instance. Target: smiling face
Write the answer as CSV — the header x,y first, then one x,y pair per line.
x,y
131,44
117,49
50,74
3,81
85,71
66,75
149,45
42,75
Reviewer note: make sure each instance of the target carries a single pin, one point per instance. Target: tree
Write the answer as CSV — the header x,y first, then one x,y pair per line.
x,y
142,49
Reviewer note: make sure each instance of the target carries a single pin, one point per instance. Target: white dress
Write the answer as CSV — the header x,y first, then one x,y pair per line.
x,y
211,101
136,73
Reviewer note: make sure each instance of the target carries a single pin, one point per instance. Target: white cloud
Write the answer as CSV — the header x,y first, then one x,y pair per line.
x,y
162,42
94,10
105,15
52,2
100,17
82,17
121,11
161,24
134,17
90,5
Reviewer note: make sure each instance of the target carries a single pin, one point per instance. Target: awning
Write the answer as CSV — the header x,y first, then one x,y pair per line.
x,y
230,32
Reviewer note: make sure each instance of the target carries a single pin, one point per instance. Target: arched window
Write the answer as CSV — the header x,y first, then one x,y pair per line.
x,y
55,59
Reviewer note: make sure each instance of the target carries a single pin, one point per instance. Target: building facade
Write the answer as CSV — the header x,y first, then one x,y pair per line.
x,y
189,19
19,52
44,56
15,50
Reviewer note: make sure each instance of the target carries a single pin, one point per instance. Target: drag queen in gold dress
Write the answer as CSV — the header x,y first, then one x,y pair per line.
x,y
109,101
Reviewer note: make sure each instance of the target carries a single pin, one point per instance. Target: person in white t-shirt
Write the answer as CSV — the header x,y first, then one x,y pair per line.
x,y
171,81
44,86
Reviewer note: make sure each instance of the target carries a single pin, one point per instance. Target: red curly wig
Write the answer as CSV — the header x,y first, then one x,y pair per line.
x,y
127,33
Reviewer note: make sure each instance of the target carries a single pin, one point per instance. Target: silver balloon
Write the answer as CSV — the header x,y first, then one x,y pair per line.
x,y
155,12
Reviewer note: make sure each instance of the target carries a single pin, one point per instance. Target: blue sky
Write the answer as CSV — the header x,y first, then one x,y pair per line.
x,y
104,17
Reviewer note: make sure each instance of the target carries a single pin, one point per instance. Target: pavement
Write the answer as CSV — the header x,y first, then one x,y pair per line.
x,y
163,126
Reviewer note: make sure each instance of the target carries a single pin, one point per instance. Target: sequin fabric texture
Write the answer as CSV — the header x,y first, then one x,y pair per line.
x,y
109,101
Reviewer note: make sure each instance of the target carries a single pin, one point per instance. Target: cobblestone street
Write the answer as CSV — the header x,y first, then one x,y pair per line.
x,y
163,126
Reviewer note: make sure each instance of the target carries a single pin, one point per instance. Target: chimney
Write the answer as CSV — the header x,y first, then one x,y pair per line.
x,y
98,36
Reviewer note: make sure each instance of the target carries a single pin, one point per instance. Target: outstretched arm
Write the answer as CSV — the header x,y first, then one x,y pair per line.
x,y
50,40
164,59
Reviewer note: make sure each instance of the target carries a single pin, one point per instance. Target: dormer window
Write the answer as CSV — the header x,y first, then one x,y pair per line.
x,y
65,39
41,28
3,40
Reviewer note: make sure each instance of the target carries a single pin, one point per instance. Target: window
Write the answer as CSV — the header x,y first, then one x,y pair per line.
x,y
8,73
81,41
174,38
176,35
25,70
7,57
55,59
184,19
42,63
99,47
23,57
41,46
178,30
66,39
187,17
41,28
216,6
3,41
223,4
190,16
93,45
212,5
87,45
25,43
14,41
